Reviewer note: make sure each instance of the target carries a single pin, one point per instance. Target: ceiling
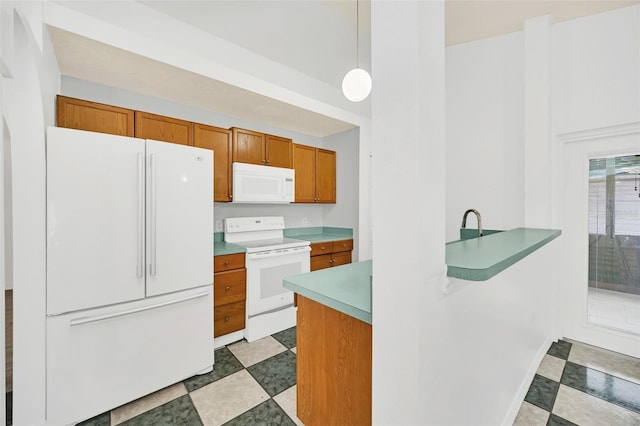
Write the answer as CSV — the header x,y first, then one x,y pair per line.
x,y
315,37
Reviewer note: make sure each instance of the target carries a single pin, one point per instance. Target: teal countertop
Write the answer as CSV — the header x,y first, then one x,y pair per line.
x,y
479,259
220,247
317,234
345,288
312,234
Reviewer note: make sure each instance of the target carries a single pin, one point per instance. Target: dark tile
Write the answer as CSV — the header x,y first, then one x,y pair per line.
x,y
180,411
286,337
225,364
558,421
103,419
277,373
266,414
9,407
561,349
604,386
542,392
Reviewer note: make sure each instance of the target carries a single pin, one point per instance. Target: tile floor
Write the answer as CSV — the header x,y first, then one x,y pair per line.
x,y
255,384
614,309
578,384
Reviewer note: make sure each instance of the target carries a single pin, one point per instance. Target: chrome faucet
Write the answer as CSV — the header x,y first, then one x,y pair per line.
x,y
478,217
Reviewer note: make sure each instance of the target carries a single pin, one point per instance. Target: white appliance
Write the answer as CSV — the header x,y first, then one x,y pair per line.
x,y
262,184
270,257
129,272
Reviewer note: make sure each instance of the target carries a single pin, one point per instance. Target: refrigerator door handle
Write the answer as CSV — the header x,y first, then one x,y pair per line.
x,y
152,195
87,320
140,262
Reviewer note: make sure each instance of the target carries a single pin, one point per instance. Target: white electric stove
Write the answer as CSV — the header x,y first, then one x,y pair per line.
x,y
270,257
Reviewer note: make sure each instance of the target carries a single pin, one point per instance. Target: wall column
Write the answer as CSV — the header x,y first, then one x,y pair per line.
x,y
408,184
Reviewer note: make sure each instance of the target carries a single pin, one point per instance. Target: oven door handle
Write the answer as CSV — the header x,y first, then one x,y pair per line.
x,y
276,253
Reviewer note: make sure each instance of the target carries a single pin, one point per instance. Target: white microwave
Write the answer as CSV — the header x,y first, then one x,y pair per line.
x,y
262,184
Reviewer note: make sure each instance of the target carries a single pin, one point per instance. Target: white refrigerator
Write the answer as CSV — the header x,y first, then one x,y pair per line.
x,y
129,269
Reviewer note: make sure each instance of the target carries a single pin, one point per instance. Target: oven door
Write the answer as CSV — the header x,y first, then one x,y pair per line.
x,y
265,273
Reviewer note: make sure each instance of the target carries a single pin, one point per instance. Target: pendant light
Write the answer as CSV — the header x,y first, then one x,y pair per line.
x,y
356,84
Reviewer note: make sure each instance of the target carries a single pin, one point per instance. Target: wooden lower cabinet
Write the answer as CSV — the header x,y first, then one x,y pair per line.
x,y
229,293
333,366
330,253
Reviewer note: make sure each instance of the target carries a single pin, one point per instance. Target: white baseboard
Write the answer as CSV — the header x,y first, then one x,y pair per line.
x,y
227,339
518,398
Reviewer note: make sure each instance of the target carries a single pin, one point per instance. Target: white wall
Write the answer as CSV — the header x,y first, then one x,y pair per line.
x,y
596,71
28,106
345,213
485,138
408,172
596,113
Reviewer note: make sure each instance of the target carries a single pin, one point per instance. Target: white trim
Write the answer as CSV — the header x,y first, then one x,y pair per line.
x,y
518,399
600,132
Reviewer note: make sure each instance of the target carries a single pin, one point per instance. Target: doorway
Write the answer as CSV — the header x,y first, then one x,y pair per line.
x,y
600,226
614,243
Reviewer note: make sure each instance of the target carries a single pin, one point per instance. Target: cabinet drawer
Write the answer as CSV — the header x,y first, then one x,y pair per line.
x,y
342,245
228,318
229,287
227,262
320,262
321,248
341,258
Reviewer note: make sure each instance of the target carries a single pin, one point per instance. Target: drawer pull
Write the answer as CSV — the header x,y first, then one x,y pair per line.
x,y
322,248
226,319
227,288
226,262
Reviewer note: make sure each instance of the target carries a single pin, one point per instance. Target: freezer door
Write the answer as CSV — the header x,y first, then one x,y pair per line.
x,y
102,358
95,219
179,217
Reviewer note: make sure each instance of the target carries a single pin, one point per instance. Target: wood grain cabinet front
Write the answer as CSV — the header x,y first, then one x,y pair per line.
x,y
94,117
219,141
165,129
315,174
330,253
229,293
257,148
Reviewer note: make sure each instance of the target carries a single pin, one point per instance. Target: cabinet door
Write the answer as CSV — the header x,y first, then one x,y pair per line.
x,y
228,318
304,164
341,258
320,262
165,129
94,117
278,151
248,146
325,176
218,140
229,287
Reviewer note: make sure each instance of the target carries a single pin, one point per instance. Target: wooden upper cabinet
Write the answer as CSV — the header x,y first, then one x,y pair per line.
x,y
304,164
278,151
94,117
165,129
257,148
315,174
219,141
248,146
325,176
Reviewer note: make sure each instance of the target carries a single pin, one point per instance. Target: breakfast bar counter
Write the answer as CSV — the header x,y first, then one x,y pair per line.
x,y
333,348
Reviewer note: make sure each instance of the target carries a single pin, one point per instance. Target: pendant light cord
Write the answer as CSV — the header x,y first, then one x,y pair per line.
x,y
357,33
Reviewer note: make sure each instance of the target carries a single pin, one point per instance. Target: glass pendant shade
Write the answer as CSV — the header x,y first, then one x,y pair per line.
x,y
356,85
